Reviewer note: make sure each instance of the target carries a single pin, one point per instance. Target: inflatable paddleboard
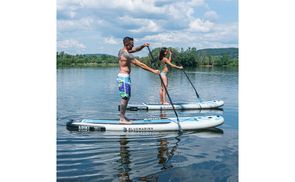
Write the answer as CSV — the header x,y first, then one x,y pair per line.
x,y
147,125
179,106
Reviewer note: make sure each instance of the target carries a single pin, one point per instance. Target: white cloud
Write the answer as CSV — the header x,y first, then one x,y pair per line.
x,y
155,7
123,5
143,24
70,45
199,25
72,14
148,26
211,15
79,24
179,11
196,2
68,4
223,33
161,37
219,36
138,5
111,40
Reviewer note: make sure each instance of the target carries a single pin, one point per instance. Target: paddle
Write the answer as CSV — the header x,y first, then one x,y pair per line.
x,y
153,60
190,83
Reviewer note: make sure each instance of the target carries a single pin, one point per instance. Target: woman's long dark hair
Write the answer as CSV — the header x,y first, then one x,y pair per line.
x,y
162,53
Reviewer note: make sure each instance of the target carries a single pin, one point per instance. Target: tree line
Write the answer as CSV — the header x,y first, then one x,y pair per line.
x,y
64,59
191,57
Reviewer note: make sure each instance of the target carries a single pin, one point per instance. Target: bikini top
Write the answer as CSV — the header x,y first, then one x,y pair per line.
x,y
162,66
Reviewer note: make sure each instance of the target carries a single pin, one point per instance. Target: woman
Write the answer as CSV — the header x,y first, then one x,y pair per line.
x,y
164,70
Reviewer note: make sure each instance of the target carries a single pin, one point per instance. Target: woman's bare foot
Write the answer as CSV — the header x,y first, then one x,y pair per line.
x,y
166,103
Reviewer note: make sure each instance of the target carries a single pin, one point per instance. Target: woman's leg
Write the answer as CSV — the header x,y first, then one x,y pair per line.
x,y
161,94
165,81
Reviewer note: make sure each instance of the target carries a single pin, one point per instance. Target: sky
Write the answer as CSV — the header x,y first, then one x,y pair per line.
x,y
91,26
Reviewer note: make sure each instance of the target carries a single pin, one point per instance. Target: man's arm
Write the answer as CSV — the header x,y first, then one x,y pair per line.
x,y
144,66
138,48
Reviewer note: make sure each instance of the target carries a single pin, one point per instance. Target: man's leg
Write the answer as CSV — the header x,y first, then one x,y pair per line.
x,y
125,93
123,106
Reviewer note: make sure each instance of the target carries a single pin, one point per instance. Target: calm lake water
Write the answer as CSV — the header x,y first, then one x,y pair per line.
x,y
209,155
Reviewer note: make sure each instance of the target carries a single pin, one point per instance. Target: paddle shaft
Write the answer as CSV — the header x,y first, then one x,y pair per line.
x,y
191,84
166,90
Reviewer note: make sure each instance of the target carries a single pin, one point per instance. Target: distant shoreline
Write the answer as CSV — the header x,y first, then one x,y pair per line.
x,y
93,65
88,65
212,57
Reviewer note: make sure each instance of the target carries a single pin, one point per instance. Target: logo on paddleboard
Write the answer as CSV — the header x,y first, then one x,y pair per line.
x,y
137,129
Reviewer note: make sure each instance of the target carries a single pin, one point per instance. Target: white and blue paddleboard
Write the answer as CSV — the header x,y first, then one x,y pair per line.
x,y
179,106
150,124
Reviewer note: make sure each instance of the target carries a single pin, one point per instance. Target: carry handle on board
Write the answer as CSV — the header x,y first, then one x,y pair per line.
x,y
166,91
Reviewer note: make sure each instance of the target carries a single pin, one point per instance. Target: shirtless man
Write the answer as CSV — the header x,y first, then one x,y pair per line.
x,y
123,79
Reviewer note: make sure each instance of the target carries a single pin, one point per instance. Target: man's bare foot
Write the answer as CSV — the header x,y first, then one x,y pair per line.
x,y
124,121
127,118
166,103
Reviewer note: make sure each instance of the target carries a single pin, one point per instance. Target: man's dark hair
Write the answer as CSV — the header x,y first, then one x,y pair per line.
x,y
126,40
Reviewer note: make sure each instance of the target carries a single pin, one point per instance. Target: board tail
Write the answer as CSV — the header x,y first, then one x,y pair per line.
x,y
72,127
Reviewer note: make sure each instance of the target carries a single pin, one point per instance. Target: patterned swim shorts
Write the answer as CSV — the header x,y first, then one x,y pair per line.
x,y
124,84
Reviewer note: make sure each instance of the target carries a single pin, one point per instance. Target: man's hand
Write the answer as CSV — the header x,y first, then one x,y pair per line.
x,y
146,44
135,49
156,72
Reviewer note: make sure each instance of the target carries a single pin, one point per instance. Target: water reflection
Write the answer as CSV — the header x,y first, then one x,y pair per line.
x,y
163,114
164,154
166,147
124,160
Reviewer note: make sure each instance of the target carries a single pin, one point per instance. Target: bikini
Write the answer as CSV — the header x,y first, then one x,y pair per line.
x,y
162,66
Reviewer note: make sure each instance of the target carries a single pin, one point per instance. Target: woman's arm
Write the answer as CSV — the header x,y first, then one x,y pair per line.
x,y
168,61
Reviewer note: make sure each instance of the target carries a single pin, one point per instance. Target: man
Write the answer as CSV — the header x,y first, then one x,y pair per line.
x,y
124,82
